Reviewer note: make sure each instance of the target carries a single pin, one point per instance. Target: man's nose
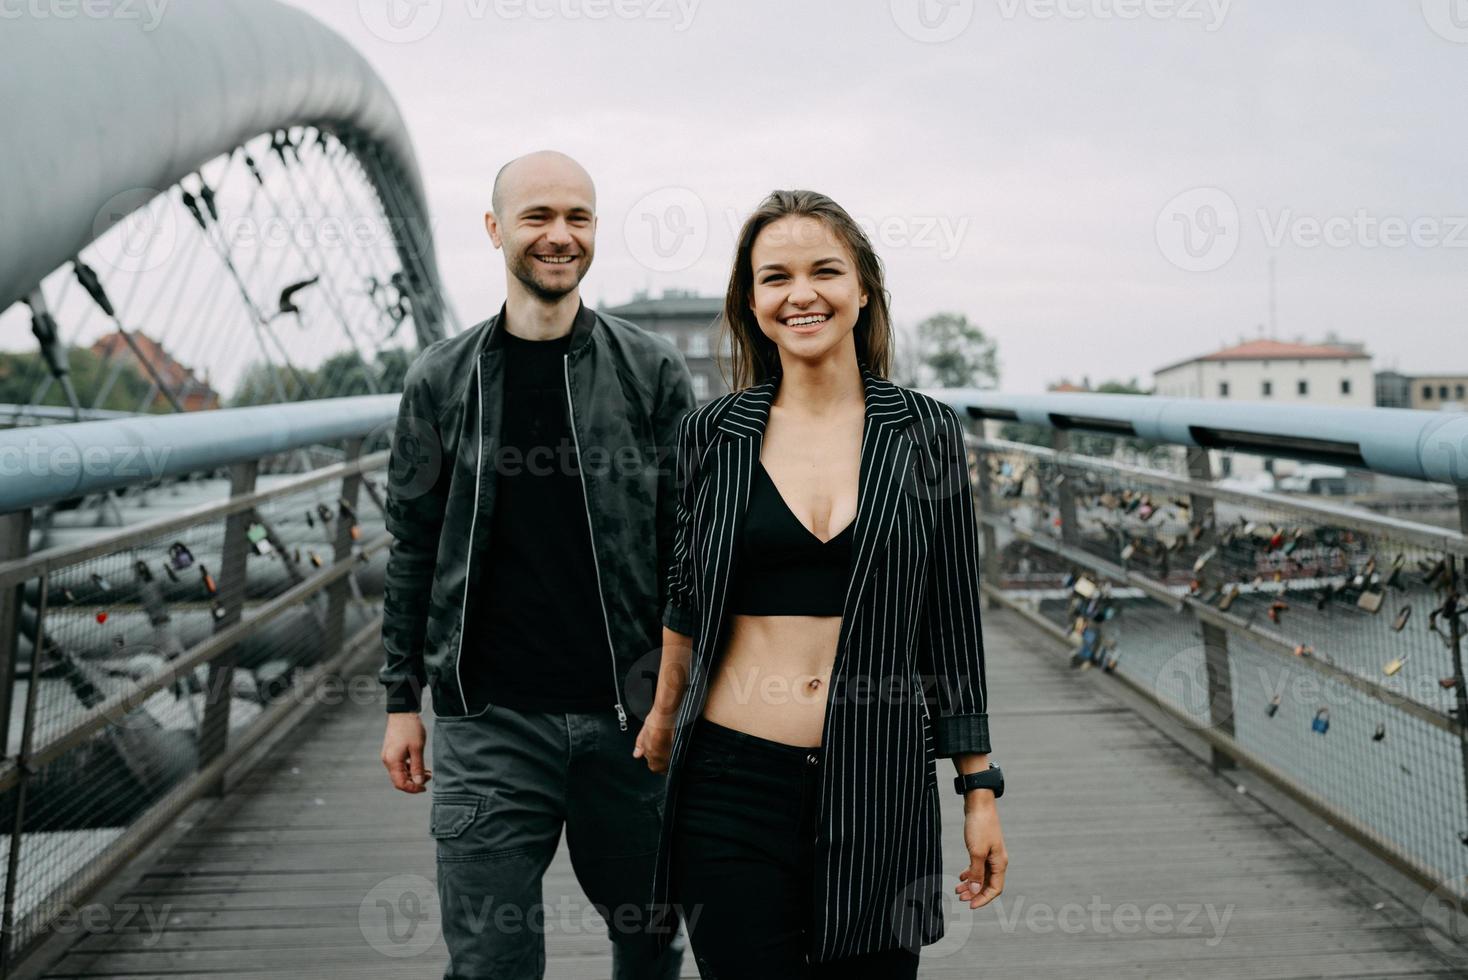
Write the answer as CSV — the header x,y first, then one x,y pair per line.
x,y
559,232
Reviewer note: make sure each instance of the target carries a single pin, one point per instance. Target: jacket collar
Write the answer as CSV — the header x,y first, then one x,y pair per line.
x,y
582,328
749,411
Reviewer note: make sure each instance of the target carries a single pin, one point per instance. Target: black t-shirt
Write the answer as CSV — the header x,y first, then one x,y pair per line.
x,y
540,636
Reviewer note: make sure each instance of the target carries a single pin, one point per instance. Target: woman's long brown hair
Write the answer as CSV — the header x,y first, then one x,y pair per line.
x,y
755,358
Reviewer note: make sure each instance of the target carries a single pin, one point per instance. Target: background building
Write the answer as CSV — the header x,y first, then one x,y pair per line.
x,y
691,322
1334,373
194,394
1432,392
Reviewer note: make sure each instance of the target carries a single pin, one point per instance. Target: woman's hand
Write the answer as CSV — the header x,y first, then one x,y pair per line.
x,y
983,880
655,741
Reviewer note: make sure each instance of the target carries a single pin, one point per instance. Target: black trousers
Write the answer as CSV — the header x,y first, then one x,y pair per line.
x,y
743,862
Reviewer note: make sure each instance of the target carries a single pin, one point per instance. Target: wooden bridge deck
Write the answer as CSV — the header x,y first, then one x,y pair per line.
x,y
1110,825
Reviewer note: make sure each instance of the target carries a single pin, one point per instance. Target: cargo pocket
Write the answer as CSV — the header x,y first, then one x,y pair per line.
x,y
452,814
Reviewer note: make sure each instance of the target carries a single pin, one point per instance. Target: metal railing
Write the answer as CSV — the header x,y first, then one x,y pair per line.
x,y
1317,643
138,664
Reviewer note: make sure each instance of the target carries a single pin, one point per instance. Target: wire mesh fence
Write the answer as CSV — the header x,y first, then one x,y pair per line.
x,y
147,657
1319,643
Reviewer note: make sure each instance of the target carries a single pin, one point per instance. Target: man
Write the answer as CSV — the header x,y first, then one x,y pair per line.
x,y
531,503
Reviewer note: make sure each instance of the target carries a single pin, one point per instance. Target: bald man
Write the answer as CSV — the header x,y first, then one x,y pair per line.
x,y
531,503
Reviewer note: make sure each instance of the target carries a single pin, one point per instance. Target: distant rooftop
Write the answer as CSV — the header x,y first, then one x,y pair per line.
x,y
1264,349
673,302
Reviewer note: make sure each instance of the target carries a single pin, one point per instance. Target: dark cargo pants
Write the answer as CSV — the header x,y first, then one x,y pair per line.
x,y
504,783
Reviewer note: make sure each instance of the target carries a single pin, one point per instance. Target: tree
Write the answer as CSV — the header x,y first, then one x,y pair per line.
x,y
954,353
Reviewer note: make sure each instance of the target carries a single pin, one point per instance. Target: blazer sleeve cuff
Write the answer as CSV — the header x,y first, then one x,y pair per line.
x,y
962,734
680,619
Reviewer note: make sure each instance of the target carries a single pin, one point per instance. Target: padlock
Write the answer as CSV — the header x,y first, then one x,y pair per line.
x,y
217,608
101,583
1321,723
179,556
1204,559
1380,732
1394,579
1273,707
259,538
310,520
323,512
1085,588
1447,683
208,580
1370,601
1304,650
315,558
172,575
1275,608
1128,551
1228,598
1404,614
142,571
1392,666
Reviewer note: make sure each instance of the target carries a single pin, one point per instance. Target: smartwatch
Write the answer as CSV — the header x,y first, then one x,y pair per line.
x,y
991,778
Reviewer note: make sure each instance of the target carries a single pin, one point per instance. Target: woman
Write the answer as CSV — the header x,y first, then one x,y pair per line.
x,y
824,576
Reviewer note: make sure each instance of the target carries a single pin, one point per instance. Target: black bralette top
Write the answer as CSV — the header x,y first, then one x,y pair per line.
x,y
784,569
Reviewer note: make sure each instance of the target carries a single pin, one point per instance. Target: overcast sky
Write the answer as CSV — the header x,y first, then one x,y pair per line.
x,y
1100,184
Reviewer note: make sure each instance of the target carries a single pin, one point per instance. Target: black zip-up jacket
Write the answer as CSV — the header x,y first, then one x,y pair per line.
x,y
627,389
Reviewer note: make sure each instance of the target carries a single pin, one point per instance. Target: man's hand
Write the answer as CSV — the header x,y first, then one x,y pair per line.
x,y
655,741
402,752
983,880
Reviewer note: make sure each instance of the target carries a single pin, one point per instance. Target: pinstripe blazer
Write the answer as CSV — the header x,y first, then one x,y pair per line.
x,y
910,635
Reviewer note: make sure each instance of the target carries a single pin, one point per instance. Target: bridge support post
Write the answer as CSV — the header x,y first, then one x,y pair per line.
x,y
8,941
15,537
1070,533
1219,674
214,732
338,592
987,538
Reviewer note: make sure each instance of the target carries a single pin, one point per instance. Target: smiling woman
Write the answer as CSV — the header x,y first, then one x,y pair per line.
x,y
825,566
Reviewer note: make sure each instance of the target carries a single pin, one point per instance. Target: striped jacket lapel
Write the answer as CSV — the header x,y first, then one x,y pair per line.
x,y
886,455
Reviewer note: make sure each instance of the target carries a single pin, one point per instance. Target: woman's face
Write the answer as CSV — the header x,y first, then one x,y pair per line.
x,y
807,294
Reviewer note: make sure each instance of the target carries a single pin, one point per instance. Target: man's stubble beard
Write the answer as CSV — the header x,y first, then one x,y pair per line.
x,y
523,268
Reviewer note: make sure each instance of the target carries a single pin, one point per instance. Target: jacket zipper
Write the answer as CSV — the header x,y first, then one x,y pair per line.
x,y
591,534
473,517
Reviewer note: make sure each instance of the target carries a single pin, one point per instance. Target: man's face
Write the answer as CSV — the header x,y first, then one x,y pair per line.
x,y
546,224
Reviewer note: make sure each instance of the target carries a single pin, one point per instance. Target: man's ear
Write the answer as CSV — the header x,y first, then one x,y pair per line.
x,y
493,227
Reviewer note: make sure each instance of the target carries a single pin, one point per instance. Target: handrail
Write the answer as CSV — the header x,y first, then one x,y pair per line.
x,y
44,465
1402,442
